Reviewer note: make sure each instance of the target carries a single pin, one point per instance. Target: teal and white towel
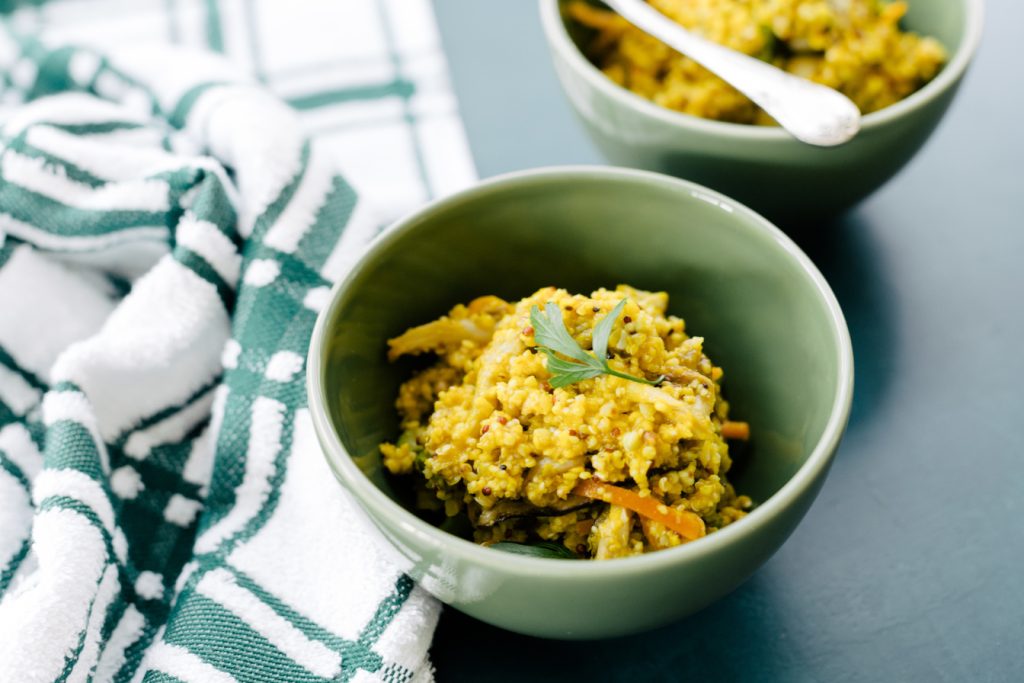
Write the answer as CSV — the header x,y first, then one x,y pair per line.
x,y
168,233
368,78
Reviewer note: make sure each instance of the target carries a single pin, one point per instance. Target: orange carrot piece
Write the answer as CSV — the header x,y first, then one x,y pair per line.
x,y
736,430
683,522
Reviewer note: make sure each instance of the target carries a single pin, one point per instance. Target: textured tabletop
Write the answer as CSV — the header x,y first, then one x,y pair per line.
x,y
910,565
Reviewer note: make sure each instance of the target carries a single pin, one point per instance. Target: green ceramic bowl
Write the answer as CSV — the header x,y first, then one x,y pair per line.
x,y
765,167
768,316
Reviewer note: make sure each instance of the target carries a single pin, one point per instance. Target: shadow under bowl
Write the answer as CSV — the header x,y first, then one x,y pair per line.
x,y
768,316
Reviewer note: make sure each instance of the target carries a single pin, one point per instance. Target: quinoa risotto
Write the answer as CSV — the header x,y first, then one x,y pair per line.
x,y
567,425
853,46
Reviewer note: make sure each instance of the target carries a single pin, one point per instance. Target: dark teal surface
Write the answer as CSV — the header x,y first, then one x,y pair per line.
x,y
910,565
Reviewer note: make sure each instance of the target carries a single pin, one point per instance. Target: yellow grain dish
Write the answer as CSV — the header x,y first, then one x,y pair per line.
x,y
599,467
853,46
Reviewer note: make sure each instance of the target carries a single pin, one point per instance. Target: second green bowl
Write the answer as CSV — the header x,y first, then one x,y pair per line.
x,y
761,166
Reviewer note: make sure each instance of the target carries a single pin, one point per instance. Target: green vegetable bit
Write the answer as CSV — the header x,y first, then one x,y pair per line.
x,y
771,44
553,338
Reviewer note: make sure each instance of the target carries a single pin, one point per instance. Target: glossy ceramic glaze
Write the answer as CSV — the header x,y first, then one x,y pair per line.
x,y
768,316
765,167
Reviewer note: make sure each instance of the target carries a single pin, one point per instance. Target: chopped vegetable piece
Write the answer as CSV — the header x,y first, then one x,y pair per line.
x,y
487,304
693,415
654,534
432,336
685,523
611,533
686,375
736,430
583,526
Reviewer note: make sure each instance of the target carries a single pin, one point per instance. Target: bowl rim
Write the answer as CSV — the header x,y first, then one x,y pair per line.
x,y
380,505
559,40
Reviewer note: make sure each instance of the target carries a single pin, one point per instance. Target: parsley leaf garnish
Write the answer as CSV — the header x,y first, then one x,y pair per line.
x,y
577,365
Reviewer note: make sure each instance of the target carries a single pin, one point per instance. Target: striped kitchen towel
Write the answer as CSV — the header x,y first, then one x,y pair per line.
x,y
168,232
368,78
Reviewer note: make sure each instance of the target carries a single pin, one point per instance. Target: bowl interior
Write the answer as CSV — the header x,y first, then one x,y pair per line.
x,y
941,19
945,20
734,279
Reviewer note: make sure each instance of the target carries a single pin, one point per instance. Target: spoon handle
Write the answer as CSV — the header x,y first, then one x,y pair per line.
x,y
811,112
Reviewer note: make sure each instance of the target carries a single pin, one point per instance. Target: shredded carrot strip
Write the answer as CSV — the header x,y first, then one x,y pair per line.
x,y
736,430
683,522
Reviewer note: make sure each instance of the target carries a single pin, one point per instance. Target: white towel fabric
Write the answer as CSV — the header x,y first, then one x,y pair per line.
x,y
168,233
368,78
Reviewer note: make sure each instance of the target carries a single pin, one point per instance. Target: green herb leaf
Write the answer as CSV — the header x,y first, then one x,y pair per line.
x,y
555,551
567,378
603,330
565,372
553,338
549,331
558,365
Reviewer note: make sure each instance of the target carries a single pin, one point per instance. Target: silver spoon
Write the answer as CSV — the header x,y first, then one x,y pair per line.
x,y
812,113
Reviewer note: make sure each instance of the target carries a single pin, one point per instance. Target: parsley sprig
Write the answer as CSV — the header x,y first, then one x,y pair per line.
x,y
577,365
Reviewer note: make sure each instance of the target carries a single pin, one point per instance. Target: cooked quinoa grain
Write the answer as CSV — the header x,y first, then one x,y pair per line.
x,y
853,46
606,466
